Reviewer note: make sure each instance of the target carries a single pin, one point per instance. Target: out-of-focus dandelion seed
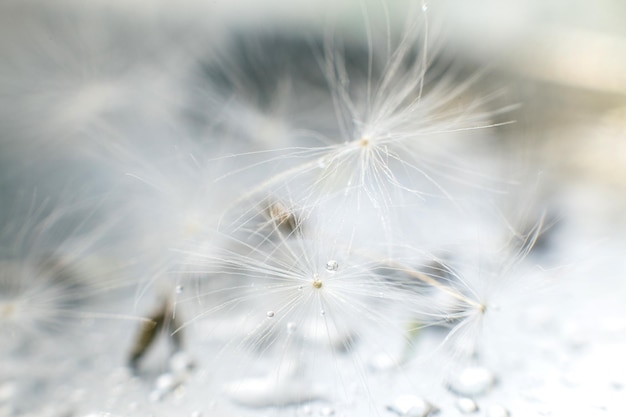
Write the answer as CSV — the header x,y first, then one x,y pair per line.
x,y
283,219
161,321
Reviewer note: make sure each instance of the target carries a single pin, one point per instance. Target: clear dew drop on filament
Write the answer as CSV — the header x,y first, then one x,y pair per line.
x,y
332,265
270,314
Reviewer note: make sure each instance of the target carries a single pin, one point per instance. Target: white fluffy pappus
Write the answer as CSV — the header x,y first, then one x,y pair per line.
x,y
73,77
168,193
60,265
403,137
306,316
290,308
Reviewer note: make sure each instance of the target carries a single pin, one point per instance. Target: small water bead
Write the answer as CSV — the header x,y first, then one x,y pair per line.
x,y
424,6
466,405
196,413
472,381
179,289
269,314
332,266
165,382
327,411
181,362
322,312
497,411
412,406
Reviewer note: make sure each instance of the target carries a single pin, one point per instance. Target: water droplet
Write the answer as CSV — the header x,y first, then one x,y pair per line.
x,y
472,381
322,312
497,411
466,405
327,411
181,362
196,413
424,6
412,406
332,265
269,314
165,382
179,289
291,327
300,288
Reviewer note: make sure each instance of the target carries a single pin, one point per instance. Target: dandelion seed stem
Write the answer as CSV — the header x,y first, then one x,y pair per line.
x,y
436,284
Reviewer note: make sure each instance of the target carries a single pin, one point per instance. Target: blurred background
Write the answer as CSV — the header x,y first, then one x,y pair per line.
x,y
79,78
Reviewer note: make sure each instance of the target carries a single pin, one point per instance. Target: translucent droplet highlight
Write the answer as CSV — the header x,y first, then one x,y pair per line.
x,y
472,381
466,405
269,314
332,266
327,411
412,406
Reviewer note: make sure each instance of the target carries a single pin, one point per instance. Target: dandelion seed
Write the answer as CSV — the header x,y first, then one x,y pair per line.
x,y
161,321
282,218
